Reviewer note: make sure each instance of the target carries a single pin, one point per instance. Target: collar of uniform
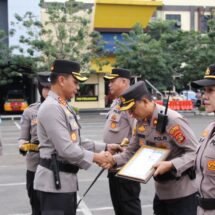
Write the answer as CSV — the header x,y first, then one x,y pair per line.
x,y
53,94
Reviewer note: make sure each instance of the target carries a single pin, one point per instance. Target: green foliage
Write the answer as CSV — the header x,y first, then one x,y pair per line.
x,y
63,35
12,66
163,52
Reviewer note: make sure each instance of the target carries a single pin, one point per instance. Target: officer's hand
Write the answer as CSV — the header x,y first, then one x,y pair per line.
x,y
103,159
162,167
114,148
110,163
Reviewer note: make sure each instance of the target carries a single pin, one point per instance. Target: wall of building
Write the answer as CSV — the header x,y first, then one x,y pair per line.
x,y
96,79
189,2
190,14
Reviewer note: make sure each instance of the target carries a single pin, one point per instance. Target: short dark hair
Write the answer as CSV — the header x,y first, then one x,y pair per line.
x,y
54,76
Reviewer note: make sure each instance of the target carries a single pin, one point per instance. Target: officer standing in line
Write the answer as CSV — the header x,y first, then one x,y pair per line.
x,y
124,193
0,146
62,151
28,140
174,184
205,161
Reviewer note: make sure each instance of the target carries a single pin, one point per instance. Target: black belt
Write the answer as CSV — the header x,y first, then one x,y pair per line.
x,y
206,204
63,167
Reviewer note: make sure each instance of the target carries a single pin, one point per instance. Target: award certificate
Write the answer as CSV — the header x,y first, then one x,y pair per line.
x,y
139,167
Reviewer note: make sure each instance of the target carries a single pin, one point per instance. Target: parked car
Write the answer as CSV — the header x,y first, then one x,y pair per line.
x,y
188,95
173,95
15,101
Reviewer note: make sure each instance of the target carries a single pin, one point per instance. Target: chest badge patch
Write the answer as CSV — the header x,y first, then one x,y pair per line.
x,y
204,133
211,165
113,117
155,121
113,125
141,129
73,136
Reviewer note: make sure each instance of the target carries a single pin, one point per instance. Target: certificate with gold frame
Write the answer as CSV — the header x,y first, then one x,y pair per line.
x,y
140,166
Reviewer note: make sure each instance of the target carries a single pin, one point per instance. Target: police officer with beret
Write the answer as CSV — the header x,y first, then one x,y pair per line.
x,y
205,161
62,151
28,140
119,125
174,184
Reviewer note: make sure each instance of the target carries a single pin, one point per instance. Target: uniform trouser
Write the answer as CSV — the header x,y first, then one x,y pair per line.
x,y
32,194
124,195
181,206
57,203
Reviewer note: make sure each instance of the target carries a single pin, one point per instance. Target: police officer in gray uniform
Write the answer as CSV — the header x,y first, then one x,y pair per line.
x,y
205,161
174,184
0,147
124,193
62,151
28,140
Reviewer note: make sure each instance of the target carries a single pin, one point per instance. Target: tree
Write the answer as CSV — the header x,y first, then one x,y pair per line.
x,y
143,55
64,34
12,66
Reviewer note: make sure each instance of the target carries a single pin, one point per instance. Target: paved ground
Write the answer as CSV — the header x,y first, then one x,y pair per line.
x,y
13,198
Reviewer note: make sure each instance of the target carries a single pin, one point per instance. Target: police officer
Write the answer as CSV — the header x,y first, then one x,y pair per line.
x,y
124,193
205,161
0,147
175,190
28,140
62,151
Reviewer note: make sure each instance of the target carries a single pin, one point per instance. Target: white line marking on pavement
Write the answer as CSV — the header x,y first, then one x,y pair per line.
x,y
85,210
13,184
23,183
17,125
111,208
93,209
20,214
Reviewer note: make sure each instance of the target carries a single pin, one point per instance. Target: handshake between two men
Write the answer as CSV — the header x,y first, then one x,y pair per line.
x,y
105,159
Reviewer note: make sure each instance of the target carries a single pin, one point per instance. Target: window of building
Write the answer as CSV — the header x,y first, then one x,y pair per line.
x,y
109,38
203,25
87,92
175,17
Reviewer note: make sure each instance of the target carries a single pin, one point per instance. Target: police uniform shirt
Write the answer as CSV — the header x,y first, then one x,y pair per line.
x,y
181,141
29,134
0,146
205,167
58,132
118,124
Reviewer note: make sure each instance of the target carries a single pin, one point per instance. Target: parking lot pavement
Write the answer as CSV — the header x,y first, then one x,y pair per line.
x,y
13,196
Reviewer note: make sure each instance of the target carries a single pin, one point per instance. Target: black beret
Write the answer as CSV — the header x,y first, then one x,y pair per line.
x,y
132,94
44,79
68,67
118,72
208,80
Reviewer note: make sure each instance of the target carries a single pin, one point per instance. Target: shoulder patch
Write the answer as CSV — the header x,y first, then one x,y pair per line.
x,y
211,165
177,134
